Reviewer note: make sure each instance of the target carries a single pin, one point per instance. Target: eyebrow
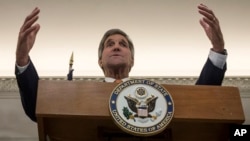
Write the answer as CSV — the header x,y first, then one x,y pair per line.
x,y
109,40
122,40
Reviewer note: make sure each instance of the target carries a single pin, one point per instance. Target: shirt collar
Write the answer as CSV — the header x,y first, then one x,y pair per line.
x,y
111,80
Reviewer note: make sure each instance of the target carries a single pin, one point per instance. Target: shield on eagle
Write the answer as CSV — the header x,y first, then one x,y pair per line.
x,y
141,107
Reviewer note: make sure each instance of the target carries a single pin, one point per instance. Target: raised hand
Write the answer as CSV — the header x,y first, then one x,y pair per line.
x,y
26,37
212,28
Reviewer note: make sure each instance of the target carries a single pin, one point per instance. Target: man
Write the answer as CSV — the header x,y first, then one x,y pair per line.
x,y
116,57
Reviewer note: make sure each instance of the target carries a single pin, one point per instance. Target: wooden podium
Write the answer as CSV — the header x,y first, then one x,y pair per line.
x,y
78,111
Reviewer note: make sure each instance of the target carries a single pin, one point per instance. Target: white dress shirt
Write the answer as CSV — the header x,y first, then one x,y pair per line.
x,y
111,80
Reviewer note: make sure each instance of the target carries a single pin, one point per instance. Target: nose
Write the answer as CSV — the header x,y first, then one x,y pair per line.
x,y
117,47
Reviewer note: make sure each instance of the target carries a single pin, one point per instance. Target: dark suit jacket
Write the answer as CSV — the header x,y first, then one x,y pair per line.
x,y
28,83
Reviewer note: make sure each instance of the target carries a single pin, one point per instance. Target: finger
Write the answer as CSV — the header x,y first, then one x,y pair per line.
x,y
208,16
29,23
205,27
203,24
209,22
32,14
33,29
205,11
37,28
30,19
203,5
205,8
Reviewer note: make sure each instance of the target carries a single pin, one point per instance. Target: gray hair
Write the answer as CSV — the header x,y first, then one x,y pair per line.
x,y
112,32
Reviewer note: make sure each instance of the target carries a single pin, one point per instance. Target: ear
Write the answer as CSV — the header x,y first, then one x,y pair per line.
x,y
132,62
100,63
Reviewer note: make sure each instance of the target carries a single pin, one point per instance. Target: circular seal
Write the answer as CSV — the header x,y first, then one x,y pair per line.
x,y
141,107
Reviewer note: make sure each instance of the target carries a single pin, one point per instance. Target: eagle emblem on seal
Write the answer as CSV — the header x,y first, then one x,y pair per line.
x,y
141,105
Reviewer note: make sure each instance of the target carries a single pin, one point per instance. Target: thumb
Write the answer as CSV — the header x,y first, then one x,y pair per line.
x,y
203,24
37,28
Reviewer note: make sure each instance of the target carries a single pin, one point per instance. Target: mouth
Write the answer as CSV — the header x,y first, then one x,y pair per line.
x,y
115,55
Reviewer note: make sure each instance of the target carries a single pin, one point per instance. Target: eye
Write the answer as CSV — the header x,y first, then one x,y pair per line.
x,y
109,44
123,44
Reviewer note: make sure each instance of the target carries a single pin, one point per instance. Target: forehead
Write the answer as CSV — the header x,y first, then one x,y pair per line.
x,y
116,37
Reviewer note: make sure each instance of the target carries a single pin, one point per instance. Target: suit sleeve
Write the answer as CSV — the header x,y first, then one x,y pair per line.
x,y
211,75
27,83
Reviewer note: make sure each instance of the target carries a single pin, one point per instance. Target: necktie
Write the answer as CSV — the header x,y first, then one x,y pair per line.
x,y
118,81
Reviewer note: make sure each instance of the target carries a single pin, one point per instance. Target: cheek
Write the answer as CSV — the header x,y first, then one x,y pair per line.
x,y
129,56
104,55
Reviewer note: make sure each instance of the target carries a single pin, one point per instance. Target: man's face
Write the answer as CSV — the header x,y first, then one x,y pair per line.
x,y
116,53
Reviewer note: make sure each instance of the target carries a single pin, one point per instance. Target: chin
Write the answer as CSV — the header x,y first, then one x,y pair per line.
x,y
117,64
